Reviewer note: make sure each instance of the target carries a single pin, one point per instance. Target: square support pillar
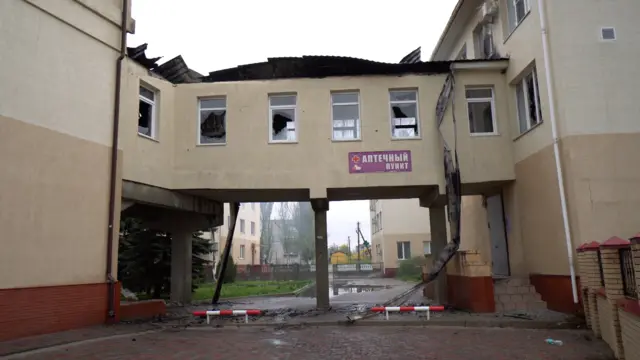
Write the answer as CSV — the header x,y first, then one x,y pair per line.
x,y
438,222
181,262
613,284
320,208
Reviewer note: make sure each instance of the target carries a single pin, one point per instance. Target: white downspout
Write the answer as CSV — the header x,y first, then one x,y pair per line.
x,y
556,147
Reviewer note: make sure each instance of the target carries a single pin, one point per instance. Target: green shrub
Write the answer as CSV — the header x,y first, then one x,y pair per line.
x,y
411,269
229,273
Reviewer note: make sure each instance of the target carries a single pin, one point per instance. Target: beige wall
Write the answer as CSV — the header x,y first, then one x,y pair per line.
x,y
403,220
249,214
56,115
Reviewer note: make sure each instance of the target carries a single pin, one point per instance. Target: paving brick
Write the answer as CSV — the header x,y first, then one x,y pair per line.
x,y
341,343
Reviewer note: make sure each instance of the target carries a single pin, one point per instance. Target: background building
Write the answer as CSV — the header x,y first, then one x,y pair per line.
x,y
399,231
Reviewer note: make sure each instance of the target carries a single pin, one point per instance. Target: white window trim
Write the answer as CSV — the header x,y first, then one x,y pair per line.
x,y
242,226
404,256
358,121
527,6
252,228
416,101
283,107
154,117
199,130
536,98
493,110
241,252
423,245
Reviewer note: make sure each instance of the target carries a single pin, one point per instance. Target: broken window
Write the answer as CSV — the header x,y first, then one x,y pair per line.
x,y
213,121
528,102
517,10
404,114
147,112
345,110
282,118
483,39
480,105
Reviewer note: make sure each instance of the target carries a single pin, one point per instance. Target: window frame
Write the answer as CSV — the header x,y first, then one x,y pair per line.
x,y
404,255
358,126
199,127
241,252
492,102
513,24
252,229
154,117
242,226
525,91
423,247
283,107
391,116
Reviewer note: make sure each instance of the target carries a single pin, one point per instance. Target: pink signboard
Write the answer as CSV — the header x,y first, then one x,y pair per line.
x,y
379,161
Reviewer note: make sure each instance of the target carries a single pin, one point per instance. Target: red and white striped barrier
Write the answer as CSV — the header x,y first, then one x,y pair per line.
x,y
208,314
387,309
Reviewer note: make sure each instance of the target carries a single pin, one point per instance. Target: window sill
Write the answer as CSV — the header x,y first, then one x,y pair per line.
x,y
528,131
345,140
407,138
272,142
484,134
148,137
212,144
517,26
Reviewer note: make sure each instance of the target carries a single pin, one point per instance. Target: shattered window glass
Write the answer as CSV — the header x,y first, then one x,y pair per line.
x,y
146,112
213,121
283,118
404,114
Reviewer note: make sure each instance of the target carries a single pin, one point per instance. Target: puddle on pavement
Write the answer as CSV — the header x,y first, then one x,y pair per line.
x,y
341,289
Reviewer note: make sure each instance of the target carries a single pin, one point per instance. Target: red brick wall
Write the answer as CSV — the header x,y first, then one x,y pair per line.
x,y
556,291
41,310
142,310
471,293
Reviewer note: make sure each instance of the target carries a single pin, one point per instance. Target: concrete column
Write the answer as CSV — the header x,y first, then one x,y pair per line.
x,y
438,222
320,208
181,243
590,277
613,286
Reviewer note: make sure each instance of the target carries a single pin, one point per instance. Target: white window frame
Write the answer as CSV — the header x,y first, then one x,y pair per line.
x,y
201,109
333,120
512,5
391,116
536,96
153,103
425,245
404,255
253,227
283,107
242,226
492,103
241,252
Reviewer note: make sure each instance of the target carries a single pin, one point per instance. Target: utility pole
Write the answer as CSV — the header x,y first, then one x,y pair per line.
x,y
358,248
349,247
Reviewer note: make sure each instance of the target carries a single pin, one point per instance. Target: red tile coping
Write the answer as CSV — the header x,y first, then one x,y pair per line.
x,y
581,247
592,246
629,305
635,239
615,242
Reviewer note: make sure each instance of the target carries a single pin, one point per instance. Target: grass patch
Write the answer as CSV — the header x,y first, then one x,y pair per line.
x,y
249,288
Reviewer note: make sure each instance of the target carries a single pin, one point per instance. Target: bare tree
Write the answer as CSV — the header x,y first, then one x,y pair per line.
x,y
303,223
287,231
266,231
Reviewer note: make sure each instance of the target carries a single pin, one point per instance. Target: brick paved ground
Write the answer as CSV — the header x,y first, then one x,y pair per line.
x,y
341,343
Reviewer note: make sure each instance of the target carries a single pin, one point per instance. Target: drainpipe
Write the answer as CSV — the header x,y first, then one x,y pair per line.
x,y
556,147
114,162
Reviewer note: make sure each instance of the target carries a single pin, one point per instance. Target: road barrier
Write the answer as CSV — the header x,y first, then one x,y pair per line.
x,y
387,309
208,314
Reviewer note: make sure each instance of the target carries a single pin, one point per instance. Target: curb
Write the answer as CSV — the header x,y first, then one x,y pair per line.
x,y
304,288
523,324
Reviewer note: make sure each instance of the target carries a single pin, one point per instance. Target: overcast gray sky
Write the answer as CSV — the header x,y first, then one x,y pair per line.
x,y
216,34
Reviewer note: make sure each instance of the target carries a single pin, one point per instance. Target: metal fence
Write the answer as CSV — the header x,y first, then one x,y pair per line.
x,y
303,272
628,273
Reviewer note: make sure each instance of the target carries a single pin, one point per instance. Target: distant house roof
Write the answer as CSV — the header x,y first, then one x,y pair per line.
x,y
175,70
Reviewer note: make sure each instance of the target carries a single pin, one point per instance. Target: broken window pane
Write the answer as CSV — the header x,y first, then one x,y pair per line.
x,y
145,117
213,126
533,98
283,126
403,96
